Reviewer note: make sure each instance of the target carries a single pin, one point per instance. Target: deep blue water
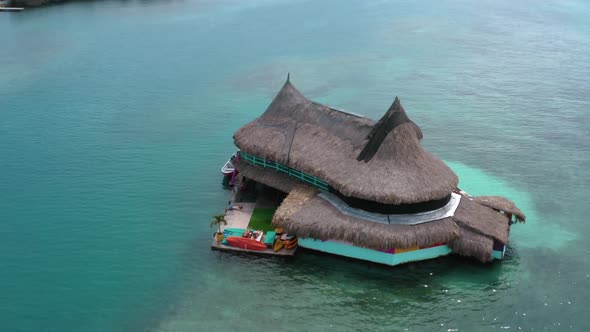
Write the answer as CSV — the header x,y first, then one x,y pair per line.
x,y
115,117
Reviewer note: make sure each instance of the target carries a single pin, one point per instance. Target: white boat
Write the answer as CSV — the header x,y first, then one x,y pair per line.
x,y
5,6
228,168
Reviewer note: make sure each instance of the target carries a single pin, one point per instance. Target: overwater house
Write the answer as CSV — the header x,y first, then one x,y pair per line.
x,y
366,189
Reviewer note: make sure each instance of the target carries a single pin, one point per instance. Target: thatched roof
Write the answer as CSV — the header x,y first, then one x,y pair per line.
x,y
500,203
470,232
481,219
378,161
265,176
474,245
306,214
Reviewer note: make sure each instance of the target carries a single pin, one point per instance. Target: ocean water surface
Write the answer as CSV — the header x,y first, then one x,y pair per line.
x,y
116,116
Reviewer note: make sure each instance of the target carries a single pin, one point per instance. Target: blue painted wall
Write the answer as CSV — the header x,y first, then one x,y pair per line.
x,y
376,256
373,255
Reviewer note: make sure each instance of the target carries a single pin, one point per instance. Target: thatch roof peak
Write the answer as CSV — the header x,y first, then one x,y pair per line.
x,y
289,90
286,101
396,114
394,117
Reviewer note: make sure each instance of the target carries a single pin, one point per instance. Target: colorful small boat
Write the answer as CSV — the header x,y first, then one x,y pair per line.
x,y
278,245
228,168
290,244
245,243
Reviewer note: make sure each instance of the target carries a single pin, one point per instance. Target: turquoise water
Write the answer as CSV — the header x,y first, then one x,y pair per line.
x,y
116,116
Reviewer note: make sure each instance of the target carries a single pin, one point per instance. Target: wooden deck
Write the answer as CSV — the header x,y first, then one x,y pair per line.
x,y
267,252
239,218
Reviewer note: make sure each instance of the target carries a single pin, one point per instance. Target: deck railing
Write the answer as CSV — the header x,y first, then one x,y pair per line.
x,y
255,160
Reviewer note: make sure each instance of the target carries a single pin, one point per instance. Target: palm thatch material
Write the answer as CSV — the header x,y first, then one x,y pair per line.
x,y
268,177
470,232
474,245
378,161
482,220
294,201
308,215
503,204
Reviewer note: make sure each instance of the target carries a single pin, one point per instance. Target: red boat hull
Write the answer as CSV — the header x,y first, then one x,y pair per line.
x,y
245,243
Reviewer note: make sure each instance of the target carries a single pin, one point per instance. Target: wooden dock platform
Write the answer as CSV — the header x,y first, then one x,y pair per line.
x,y
267,252
239,218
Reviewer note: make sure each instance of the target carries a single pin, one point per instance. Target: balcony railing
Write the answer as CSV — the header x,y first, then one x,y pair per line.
x,y
254,160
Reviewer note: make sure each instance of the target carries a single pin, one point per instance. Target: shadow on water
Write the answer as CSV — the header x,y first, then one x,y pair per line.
x,y
207,279
323,280
225,183
408,275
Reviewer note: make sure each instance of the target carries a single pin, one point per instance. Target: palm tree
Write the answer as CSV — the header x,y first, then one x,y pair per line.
x,y
219,219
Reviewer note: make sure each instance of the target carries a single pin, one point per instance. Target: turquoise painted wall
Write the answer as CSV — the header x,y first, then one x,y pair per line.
x,y
376,256
498,254
373,255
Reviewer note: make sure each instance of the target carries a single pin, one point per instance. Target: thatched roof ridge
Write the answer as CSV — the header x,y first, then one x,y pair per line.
x,y
324,142
500,203
395,116
470,232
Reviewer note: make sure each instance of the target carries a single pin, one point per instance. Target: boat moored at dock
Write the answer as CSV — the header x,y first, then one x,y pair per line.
x,y
5,6
245,243
228,168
